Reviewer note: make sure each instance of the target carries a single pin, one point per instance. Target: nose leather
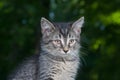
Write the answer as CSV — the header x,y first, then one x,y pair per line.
x,y
65,49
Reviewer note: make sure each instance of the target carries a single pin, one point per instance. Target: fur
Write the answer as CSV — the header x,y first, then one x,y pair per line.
x,y
59,55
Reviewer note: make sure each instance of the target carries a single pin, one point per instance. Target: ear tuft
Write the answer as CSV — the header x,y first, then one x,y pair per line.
x,y
77,25
46,26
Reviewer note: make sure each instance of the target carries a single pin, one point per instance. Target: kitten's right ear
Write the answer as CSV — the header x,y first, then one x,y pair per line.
x,y
46,26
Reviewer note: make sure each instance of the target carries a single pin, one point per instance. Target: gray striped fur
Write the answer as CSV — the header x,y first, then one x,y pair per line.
x,y
59,55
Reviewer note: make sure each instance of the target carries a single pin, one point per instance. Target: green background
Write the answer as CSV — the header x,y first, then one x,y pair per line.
x,y
20,33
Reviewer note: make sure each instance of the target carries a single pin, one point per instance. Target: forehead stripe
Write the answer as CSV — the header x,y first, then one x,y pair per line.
x,y
64,32
63,28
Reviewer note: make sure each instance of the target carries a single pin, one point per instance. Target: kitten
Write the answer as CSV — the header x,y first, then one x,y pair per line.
x,y
59,55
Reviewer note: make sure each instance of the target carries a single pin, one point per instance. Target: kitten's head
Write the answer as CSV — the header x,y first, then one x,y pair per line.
x,y
61,39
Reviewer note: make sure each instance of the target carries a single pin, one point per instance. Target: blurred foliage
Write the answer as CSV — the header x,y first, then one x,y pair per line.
x,y
20,31
19,25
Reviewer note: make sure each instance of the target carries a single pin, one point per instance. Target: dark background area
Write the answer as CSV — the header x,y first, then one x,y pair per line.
x,y
20,33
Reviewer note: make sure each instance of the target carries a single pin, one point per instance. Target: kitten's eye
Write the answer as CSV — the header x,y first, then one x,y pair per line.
x,y
57,41
71,41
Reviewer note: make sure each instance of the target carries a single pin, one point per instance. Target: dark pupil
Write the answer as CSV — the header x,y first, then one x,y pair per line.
x,y
57,41
72,41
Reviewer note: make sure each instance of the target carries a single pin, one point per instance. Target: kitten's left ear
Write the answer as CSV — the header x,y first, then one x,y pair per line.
x,y
76,26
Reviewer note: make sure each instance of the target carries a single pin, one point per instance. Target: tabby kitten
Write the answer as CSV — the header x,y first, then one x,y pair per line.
x,y
58,58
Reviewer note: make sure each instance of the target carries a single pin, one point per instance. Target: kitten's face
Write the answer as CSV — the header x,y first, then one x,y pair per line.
x,y
61,39
64,44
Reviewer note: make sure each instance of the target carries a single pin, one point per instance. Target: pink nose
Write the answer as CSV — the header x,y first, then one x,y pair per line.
x,y
65,51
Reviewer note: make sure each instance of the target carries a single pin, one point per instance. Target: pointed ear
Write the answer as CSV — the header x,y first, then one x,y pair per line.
x,y
76,26
46,26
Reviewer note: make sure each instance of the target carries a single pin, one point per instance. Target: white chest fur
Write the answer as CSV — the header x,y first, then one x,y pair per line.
x,y
68,70
58,70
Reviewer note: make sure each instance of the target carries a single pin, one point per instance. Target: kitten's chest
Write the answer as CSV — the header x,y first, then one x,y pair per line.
x,y
68,70
68,67
60,70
